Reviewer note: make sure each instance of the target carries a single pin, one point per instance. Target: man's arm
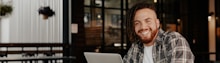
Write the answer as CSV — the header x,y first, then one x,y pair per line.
x,y
181,52
127,57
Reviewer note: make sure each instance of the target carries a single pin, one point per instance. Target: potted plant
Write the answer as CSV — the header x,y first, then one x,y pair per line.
x,y
5,9
46,12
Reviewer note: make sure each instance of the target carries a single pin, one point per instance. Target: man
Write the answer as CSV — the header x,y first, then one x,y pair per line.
x,y
150,43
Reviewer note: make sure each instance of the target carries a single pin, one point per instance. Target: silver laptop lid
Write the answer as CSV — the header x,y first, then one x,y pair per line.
x,y
93,57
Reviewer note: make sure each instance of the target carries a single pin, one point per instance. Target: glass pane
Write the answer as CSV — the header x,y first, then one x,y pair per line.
x,y
87,2
112,30
93,29
87,17
132,2
113,3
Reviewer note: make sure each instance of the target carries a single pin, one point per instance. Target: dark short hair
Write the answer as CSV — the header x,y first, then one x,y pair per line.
x,y
130,17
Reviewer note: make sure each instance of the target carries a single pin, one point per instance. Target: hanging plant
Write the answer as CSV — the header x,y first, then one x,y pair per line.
x,y
5,9
46,12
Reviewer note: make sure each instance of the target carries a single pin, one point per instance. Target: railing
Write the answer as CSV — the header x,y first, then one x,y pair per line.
x,y
28,45
32,53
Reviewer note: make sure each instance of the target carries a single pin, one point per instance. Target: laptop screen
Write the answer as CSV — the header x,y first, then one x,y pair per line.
x,y
93,57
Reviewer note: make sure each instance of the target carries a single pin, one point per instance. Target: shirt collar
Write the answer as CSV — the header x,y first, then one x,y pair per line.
x,y
140,44
160,36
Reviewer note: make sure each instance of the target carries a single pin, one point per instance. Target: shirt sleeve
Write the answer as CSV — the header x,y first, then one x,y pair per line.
x,y
133,55
127,58
181,52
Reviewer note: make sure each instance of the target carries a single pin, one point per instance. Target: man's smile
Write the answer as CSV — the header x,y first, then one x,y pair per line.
x,y
144,32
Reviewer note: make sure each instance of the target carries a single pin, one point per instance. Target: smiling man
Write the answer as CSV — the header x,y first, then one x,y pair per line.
x,y
150,43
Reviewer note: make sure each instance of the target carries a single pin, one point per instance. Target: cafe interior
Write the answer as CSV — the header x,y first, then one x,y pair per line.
x,y
60,31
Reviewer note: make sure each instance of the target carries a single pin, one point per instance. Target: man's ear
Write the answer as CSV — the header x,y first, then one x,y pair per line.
x,y
158,23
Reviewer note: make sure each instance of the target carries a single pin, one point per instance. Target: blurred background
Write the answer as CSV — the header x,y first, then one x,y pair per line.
x,y
99,25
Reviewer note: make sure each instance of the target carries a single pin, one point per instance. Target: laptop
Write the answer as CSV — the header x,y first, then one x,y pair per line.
x,y
93,57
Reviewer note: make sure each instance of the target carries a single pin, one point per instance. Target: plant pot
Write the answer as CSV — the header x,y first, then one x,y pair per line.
x,y
45,17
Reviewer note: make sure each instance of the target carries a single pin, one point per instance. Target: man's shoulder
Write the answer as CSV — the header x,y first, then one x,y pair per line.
x,y
167,37
172,34
169,34
173,37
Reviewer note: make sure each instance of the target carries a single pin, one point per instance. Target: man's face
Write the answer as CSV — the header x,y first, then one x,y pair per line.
x,y
146,24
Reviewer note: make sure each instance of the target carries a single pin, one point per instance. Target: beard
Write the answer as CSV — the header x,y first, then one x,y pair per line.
x,y
149,37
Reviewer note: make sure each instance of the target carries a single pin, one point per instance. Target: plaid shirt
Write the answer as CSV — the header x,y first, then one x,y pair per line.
x,y
169,47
